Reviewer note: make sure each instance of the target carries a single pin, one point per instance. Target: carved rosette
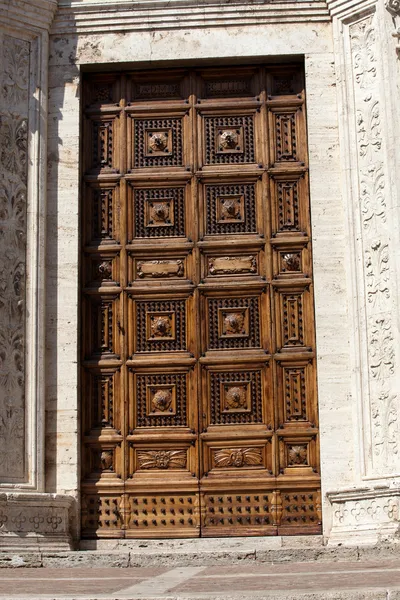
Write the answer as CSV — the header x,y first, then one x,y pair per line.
x,y
13,190
376,249
162,401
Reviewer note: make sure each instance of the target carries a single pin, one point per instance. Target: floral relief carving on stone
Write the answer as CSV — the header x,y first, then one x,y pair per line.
x,y
375,246
386,429
377,273
381,348
369,129
363,46
372,195
13,175
16,71
393,6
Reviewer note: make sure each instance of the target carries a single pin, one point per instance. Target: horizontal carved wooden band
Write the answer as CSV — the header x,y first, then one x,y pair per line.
x,y
199,405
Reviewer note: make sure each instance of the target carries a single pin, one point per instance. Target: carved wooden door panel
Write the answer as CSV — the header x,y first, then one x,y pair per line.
x,y
198,363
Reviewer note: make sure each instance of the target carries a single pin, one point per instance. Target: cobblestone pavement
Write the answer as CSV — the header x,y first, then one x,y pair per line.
x,y
379,580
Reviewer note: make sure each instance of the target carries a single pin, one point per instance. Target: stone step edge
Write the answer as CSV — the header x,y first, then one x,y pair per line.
x,y
124,559
392,593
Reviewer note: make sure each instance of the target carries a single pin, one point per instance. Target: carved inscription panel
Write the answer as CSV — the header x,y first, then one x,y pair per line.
x,y
198,346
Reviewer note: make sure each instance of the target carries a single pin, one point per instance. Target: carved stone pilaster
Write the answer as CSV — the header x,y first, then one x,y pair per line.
x,y
370,511
14,109
380,394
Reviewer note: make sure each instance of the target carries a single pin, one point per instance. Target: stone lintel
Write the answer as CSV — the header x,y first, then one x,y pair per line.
x,y
35,522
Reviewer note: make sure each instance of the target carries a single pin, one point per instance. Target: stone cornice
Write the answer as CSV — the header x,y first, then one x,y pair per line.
x,y
344,8
100,16
30,15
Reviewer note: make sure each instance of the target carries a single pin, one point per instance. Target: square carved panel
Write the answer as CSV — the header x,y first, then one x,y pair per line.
x,y
158,142
235,397
160,325
159,212
229,139
233,323
290,262
230,209
160,399
102,270
297,455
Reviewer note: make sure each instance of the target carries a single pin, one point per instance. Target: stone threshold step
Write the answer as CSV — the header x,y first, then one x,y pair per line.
x,y
351,594
172,553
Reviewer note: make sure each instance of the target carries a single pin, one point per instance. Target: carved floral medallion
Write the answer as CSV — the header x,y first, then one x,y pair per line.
x,y
237,457
297,455
162,459
158,142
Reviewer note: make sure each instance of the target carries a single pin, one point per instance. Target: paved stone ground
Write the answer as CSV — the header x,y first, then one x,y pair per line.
x,y
379,580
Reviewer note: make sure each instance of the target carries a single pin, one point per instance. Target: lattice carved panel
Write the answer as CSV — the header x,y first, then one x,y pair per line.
x,y
158,142
158,213
161,399
234,323
161,325
235,397
229,139
230,209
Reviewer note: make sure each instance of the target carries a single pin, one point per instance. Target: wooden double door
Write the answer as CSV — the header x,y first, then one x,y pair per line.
x,y
199,410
